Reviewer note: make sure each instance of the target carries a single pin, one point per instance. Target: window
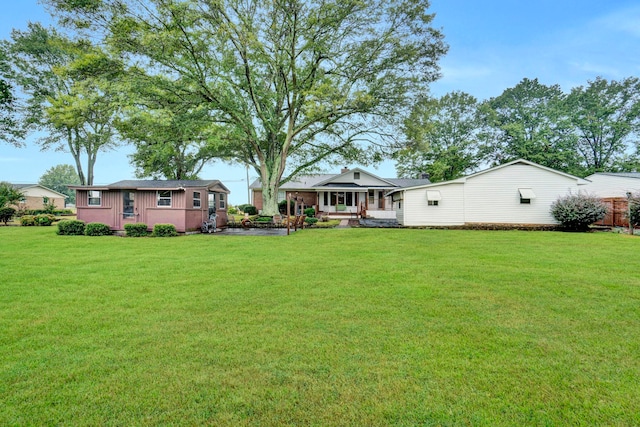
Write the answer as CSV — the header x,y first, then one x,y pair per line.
x,y
196,199
372,197
326,198
164,198
94,198
349,198
526,194
212,201
127,203
356,175
282,195
222,202
433,197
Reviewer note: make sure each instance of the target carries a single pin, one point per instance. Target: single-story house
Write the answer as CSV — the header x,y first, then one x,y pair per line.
x,y
183,203
351,192
519,192
35,196
613,189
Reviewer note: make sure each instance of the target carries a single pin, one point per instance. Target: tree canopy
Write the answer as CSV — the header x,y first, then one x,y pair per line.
x,y
294,82
59,178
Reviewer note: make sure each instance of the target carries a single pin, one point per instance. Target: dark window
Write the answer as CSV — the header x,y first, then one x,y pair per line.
x,y
196,199
356,175
164,198
128,198
326,198
349,199
525,201
222,202
432,203
94,198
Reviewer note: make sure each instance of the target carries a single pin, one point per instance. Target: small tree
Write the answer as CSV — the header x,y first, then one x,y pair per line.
x,y
576,212
634,210
9,195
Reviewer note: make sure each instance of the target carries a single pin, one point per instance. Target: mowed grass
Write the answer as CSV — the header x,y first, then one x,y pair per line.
x,y
324,327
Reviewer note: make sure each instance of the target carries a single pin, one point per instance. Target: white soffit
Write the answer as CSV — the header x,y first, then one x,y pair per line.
x,y
526,193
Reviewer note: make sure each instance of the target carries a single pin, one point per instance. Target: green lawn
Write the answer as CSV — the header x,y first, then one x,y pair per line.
x,y
324,327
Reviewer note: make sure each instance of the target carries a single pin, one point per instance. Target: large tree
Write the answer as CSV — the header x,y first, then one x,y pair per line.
x,y
531,121
294,82
70,95
606,115
59,178
442,138
10,129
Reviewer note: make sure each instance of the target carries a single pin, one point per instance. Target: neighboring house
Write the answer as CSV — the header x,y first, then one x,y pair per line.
x,y
612,188
519,192
36,195
184,203
351,192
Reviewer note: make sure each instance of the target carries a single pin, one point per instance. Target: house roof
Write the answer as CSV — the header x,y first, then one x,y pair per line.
x,y
504,165
28,186
308,182
635,175
154,184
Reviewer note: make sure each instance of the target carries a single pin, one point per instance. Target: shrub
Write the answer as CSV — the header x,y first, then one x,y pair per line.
x,y
164,230
251,210
232,210
634,210
44,219
310,212
28,220
71,227
282,207
136,230
576,212
311,220
6,214
327,224
97,229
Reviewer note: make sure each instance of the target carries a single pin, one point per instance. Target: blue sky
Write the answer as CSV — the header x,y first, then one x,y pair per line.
x,y
493,45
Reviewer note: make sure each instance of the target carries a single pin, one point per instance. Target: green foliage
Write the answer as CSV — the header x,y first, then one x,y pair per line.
x,y
332,223
249,209
9,195
241,208
634,209
310,212
44,219
443,138
291,83
311,220
232,210
138,229
164,230
6,214
97,229
71,227
282,207
606,116
576,212
59,178
28,220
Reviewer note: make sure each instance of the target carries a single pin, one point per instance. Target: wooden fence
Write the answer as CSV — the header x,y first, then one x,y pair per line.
x,y
616,212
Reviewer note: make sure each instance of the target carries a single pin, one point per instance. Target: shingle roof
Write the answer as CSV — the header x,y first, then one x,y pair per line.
x,y
310,181
152,183
621,174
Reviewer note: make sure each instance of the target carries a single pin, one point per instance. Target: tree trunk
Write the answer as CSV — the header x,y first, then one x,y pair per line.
x,y
270,176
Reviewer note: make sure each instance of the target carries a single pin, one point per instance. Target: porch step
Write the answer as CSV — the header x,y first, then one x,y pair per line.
x,y
344,223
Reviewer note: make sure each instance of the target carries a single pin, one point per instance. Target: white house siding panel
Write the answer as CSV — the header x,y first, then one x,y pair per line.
x,y
365,179
493,197
450,209
611,186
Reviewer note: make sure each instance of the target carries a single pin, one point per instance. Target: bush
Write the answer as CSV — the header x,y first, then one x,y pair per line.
x,y
250,209
635,210
576,212
136,230
232,210
28,220
44,219
164,230
71,227
310,212
97,229
282,207
311,220
6,214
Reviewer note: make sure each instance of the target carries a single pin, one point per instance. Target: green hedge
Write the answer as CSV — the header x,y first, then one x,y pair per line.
x,y
71,227
44,219
97,229
136,230
28,220
164,230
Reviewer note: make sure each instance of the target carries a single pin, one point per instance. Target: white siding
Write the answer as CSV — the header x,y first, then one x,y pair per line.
x,y
611,186
417,212
493,197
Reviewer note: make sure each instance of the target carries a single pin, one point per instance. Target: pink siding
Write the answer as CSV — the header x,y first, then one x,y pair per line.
x,y
181,213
